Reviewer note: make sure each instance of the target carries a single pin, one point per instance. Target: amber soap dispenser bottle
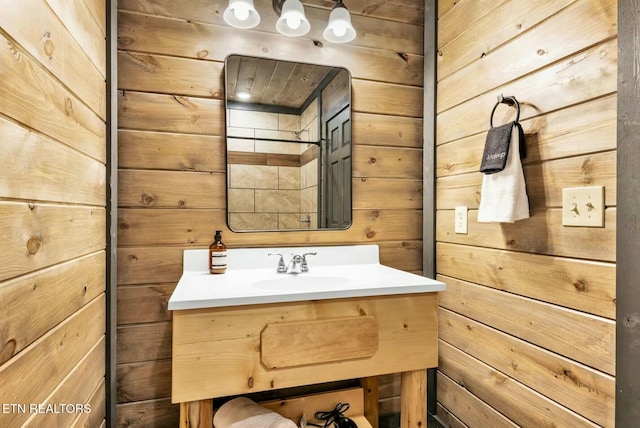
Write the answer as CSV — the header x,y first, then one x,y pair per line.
x,y
217,255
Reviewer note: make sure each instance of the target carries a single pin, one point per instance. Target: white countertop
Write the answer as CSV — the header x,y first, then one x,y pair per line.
x,y
335,272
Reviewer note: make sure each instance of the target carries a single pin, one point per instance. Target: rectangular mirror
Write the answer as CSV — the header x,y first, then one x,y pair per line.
x,y
288,135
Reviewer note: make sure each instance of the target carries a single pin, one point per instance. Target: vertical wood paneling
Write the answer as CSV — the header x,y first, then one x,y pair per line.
x,y
172,158
527,302
52,211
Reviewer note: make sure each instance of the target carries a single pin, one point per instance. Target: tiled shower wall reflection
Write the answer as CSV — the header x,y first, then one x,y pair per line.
x,y
273,185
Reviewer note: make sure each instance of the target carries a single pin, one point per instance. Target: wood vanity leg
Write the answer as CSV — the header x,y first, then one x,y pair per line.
x,y
196,414
370,386
413,399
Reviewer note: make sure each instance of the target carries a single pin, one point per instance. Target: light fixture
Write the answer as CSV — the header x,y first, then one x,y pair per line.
x,y
241,14
292,21
339,29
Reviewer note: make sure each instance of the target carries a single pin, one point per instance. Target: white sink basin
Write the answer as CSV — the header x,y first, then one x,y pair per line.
x,y
251,278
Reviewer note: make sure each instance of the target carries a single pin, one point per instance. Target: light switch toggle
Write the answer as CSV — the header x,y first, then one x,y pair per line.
x,y
583,206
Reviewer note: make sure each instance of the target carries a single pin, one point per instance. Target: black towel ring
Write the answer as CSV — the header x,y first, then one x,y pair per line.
x,y
510,101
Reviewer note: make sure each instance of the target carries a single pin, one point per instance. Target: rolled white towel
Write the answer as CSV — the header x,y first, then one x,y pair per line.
x,y
242,412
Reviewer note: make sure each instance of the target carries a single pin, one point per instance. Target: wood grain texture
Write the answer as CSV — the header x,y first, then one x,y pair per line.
x,y
300,343
142,414
581,77
470,410
481,38
578,284
30,95
36,235
579,336
65,346
573,131
586,391
543,233
144,303
375,33
43,169
507,396
534,49
35,303
544,182
45,37
192,227
413,402
144,342
405,322
144,380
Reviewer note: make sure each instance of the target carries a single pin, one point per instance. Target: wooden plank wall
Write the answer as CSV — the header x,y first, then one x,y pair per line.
x,y
52,211
527,325
172,152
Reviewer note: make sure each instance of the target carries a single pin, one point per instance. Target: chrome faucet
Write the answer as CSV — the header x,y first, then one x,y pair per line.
x,y
297,264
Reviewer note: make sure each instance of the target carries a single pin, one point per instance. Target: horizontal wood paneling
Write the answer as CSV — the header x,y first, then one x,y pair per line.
x,y
515,399
35,303
30,95
64,346
581,77
579,388
199,41
54,173
545,181
527,324
578,284
578,130
375,33
469,408
144,381
543,233
171,120
144,342
38,235
579,336
52,210
139,227
45,37
535,49
165,189
150,413
474,42
78,387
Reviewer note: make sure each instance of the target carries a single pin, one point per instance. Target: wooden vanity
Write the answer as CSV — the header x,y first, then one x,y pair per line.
x,y
241,349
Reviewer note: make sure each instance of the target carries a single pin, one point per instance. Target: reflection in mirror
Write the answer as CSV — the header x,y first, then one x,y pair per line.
x,y
288,135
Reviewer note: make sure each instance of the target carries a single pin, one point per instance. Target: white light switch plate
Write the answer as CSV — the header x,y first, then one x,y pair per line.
x,y
461,220
583,206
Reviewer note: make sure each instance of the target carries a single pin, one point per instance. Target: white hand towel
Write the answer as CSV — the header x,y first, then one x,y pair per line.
x,y
242,412
504,194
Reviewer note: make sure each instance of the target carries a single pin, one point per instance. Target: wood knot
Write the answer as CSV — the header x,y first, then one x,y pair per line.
x,y
125,40
7,351
49,48
372,160
375,214
317,43
370,234
181,203
250,382
84,290
123,225
147,199
202,54
68,106
580,285
32,206
33,245
132,258
541,51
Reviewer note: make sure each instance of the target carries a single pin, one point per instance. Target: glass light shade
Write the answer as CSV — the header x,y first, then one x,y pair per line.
x,y
241,14
339,29
292,21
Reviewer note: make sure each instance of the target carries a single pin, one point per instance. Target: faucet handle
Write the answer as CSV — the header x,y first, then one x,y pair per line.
x,y
305,266
282,268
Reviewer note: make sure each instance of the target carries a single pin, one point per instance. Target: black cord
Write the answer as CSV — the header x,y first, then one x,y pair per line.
x,y
335,417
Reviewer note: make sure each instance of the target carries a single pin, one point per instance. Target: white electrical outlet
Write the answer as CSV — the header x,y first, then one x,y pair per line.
x,y
461,220
583,206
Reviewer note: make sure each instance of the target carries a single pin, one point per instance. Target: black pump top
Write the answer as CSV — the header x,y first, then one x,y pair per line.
x,y
218,236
